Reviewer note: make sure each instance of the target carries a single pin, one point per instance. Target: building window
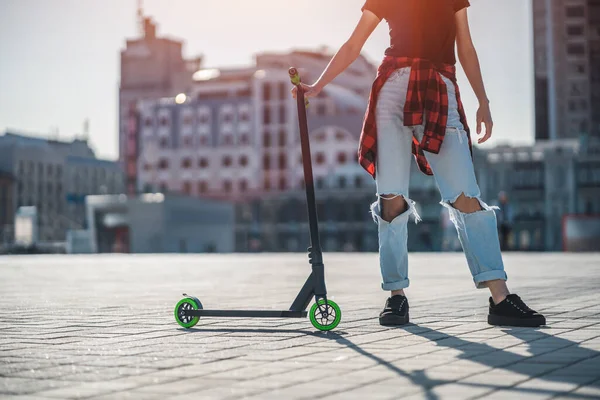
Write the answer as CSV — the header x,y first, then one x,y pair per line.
x,y
164,142
244,139
339,135
244,116
243,160
321,109
203,140
575,11
163,164
341,158
187,120
576,49
266,92
187,188
227,161
266,115
228,140
576,68
575,30
267,184
243,186
577,89
164,121
358,182
203,163
227,186
148,122
283,91
186,163
147,167
267,139
320,183
202,187
342,182
282,114
187,141
320,158
282,161
282,183
227,117
282,138
204,119
578,105
266,162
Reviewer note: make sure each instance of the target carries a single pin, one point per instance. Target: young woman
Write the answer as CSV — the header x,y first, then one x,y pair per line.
x,y
415,107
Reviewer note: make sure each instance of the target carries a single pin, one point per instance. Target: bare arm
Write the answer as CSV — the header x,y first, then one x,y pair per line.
x,y
346,55
467,56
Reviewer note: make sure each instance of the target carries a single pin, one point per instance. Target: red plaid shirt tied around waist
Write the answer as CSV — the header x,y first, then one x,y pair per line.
x,y
427,95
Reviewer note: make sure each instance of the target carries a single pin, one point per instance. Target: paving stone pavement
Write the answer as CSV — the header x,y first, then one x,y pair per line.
x,y
102,327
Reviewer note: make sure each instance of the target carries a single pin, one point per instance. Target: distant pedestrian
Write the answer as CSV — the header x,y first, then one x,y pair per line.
x,y
505,219
415,106
425,238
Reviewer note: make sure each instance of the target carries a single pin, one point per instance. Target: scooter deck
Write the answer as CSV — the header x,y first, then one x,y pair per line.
x,y
247,313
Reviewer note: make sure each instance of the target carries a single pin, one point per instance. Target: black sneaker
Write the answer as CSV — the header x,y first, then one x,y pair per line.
x,y
513,312
395,311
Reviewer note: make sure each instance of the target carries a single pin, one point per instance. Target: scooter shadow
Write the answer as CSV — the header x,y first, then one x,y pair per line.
x,y
325,335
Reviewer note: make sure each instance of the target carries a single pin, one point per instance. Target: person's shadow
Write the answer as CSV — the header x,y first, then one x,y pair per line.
x,y
550,358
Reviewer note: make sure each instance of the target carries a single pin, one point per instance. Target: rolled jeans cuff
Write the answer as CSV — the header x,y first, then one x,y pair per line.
x,y
403,284
483,277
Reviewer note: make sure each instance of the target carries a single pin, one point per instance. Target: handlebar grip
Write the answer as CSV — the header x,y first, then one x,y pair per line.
x,y
295,78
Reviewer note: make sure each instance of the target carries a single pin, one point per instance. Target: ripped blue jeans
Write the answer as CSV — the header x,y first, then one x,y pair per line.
x,y
454,174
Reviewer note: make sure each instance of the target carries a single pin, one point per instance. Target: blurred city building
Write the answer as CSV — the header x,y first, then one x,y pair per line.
x,y
567,68
546,183
54,176
230,134
279,222
235,135
151,67
7,184
156,223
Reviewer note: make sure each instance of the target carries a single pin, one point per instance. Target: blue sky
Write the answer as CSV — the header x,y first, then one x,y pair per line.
x,y
59,59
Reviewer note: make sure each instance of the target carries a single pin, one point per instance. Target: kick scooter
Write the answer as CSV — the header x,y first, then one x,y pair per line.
x,y
324,314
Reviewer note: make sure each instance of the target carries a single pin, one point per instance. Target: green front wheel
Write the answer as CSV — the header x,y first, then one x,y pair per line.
x,y
186,321
325,316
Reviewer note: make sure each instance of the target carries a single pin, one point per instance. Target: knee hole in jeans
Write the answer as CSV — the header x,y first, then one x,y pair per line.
x,y
466,204
392,205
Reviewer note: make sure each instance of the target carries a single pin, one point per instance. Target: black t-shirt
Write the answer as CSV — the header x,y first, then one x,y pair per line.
x,y
420,28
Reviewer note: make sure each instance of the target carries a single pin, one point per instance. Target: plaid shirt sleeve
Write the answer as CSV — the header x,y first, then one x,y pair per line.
x,y
426,95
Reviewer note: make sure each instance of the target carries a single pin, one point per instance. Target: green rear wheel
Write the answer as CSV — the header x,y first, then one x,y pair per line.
x,y
325,316
186,321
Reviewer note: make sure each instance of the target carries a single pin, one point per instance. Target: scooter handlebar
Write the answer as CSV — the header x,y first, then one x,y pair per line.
x,y
295,78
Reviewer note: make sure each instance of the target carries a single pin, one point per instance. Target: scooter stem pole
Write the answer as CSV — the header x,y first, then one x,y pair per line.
x,y
316,255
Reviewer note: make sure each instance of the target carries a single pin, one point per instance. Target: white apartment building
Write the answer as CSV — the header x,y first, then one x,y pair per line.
x,y
235,134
